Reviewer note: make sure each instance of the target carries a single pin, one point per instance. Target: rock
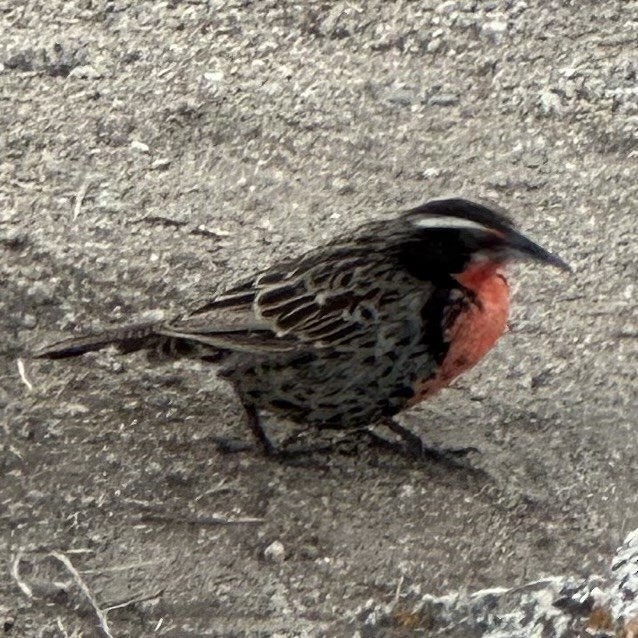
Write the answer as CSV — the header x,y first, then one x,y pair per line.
x,y
434,45
534,160
448,7
160,164
558,606
136,145
494,29
22,61
549,103
623,590
214,77
29,321
275,552
443,99
86,72
431,173
402,95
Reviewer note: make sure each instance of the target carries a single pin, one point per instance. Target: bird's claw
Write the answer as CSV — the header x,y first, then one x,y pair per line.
x,y
227,445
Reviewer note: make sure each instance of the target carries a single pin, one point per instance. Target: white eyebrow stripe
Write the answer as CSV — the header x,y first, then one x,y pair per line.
x,y
447,222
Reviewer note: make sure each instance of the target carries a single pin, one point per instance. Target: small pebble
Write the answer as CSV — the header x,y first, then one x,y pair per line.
x,y
275,552
136,145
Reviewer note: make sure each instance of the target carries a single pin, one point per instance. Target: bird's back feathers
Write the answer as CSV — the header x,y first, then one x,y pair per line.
x,y
331,297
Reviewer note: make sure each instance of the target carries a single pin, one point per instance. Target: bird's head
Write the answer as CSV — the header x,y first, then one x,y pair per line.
x,y
453,235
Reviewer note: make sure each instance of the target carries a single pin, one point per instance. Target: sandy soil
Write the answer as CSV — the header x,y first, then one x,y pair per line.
x,y
153,152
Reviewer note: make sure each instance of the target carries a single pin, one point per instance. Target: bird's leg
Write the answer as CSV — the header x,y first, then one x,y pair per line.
x,y
416,447
269,449
343,444
254,423
227,445
266,445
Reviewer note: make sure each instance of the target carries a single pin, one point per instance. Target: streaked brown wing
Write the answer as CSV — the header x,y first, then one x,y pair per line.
x,y
230,322
326,299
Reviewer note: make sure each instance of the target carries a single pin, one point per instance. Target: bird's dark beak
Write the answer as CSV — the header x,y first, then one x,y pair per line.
x,y
520,247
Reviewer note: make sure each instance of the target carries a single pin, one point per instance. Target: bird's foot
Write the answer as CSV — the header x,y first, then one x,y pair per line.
x,y
413,446
446,452
292,455
226,445
451,456
305,455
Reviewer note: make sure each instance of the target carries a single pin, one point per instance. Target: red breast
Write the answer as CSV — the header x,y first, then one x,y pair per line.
x,y
476,330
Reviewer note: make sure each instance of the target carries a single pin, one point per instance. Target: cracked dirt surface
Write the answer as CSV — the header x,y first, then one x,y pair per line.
x,y
154,152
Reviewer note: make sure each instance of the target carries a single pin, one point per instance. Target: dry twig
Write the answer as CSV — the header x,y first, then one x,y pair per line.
x,y
141,598
198,520
103,625
15,574
79,198
22,371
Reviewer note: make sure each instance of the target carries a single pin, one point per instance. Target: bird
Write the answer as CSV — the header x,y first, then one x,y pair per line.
x,y
350,334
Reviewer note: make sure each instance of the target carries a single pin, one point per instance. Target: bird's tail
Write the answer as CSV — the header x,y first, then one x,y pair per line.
x,y
130,338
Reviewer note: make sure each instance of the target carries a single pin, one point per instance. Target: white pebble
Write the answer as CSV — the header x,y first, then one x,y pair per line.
x,y
275,552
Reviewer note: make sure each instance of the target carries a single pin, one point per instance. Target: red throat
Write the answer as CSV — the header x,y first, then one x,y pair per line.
x,y
476,275
476,330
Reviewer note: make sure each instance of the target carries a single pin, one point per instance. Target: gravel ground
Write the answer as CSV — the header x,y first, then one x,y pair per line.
x,y
154,152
